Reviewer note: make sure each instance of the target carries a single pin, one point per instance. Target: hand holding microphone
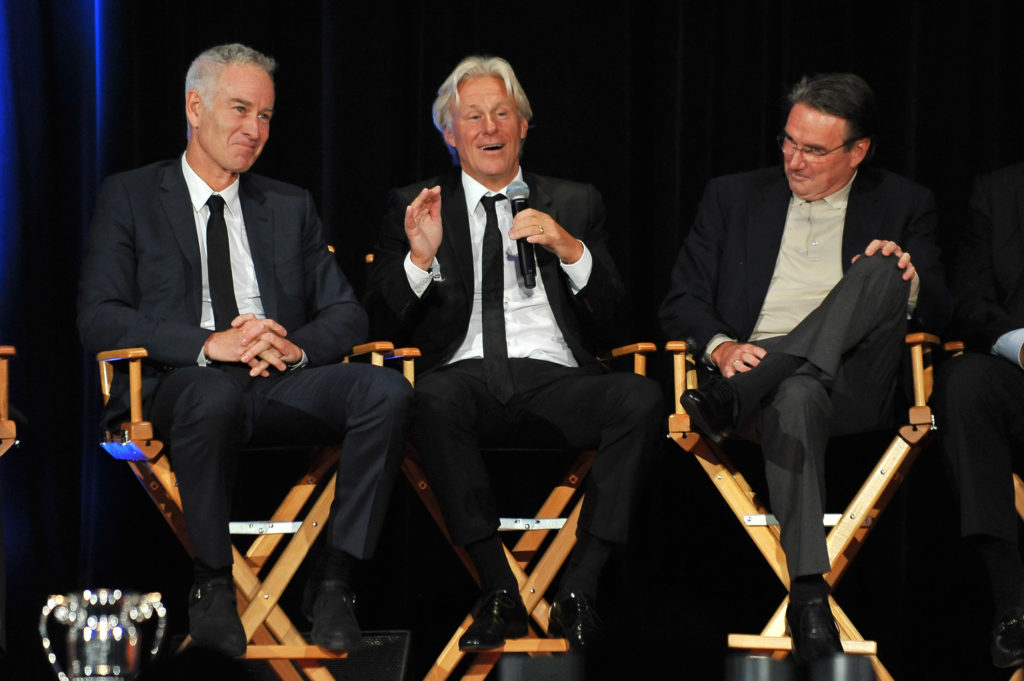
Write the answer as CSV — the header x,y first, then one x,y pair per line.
x,y
518,195
536,227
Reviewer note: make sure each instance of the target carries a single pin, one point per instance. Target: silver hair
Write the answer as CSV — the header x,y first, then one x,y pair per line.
x,y
473,67
204,73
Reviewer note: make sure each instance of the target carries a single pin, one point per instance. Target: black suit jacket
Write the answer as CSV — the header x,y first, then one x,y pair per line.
x,y
141,282
437,321
721,277
989,275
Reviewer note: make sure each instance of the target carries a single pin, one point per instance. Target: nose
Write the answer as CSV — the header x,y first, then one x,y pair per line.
x,y
252,127
490,123
796,159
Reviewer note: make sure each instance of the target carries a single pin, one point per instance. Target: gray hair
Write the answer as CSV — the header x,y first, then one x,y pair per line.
x,y
474,67
204,73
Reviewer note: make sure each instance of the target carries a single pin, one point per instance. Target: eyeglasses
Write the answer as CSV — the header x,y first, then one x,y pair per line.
x,y
812,154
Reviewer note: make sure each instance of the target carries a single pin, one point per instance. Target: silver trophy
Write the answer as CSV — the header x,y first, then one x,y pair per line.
x,y
102,639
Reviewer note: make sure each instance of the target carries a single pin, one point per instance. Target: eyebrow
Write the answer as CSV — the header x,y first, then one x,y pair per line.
x,y
805,146
246,102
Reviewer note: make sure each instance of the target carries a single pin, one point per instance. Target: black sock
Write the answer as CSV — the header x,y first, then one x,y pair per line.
x,y
332,563
489,558
752,386
583,573
201,572
807,587
1002,562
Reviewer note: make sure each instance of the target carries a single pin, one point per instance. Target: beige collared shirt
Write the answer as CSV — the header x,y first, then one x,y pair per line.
x,y
809,263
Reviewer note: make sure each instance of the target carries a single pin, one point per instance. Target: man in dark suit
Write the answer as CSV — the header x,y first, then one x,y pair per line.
x,y
225,278
504,363
797,285
978,395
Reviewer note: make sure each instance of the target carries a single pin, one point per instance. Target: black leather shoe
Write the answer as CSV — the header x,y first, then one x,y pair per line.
x,y
1008,640
501,615
713,409
814,631
574,618
330,605
213,621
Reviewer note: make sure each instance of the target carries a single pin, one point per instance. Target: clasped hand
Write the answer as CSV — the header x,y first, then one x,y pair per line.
x,y
260,343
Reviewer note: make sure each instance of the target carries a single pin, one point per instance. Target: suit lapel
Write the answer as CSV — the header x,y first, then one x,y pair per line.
x,y
259,229
862,223
177,205
456,225
547,263
765,225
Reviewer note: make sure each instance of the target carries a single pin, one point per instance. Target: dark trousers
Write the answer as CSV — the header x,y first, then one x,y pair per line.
x,y
455,416
978,409
206,415
853,346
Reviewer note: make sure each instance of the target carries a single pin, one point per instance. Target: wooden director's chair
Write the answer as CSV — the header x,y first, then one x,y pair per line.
x,y
263,572
957,348
535,558
8,431
849,530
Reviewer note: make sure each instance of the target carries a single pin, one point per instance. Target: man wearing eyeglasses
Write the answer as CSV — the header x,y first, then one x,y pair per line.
x,y
799,285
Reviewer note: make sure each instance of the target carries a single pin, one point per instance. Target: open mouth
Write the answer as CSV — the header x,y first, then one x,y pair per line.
x,y
492,147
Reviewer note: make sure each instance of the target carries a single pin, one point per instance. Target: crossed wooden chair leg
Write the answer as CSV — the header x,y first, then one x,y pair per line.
x,y
849,530
271,634
534,560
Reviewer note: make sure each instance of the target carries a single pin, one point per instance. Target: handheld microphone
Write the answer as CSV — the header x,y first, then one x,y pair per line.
x,y
518,194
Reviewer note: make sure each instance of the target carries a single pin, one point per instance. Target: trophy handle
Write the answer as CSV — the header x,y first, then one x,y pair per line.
x,y
44,633
153,601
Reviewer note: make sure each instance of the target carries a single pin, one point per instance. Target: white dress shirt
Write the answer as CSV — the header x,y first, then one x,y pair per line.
x,y
530,327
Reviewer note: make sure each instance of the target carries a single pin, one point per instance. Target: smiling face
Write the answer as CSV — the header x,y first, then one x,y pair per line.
x,y
227,134
487,132
810,177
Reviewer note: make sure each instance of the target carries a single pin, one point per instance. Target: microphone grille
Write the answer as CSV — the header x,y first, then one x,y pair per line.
x,y
519,190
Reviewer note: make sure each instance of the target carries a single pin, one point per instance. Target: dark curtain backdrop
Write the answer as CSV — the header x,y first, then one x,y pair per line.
x,y
646,100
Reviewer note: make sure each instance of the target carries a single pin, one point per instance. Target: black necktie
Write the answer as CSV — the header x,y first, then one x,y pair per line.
x,y
497,373
218,266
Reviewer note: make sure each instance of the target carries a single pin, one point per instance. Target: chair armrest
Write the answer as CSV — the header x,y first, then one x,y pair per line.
x,y
684,370
380,351
8,431
921,345
6,352
637,350
135,430
134,357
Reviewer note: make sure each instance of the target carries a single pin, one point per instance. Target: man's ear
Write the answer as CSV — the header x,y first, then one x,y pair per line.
x,y
194,107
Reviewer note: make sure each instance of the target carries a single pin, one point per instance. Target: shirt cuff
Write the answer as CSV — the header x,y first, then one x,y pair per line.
x,y
1008,346
713,344
915,292
579,271
419,279
303,361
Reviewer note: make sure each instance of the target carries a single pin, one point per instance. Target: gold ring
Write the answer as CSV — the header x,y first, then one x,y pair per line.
x,y
541,228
